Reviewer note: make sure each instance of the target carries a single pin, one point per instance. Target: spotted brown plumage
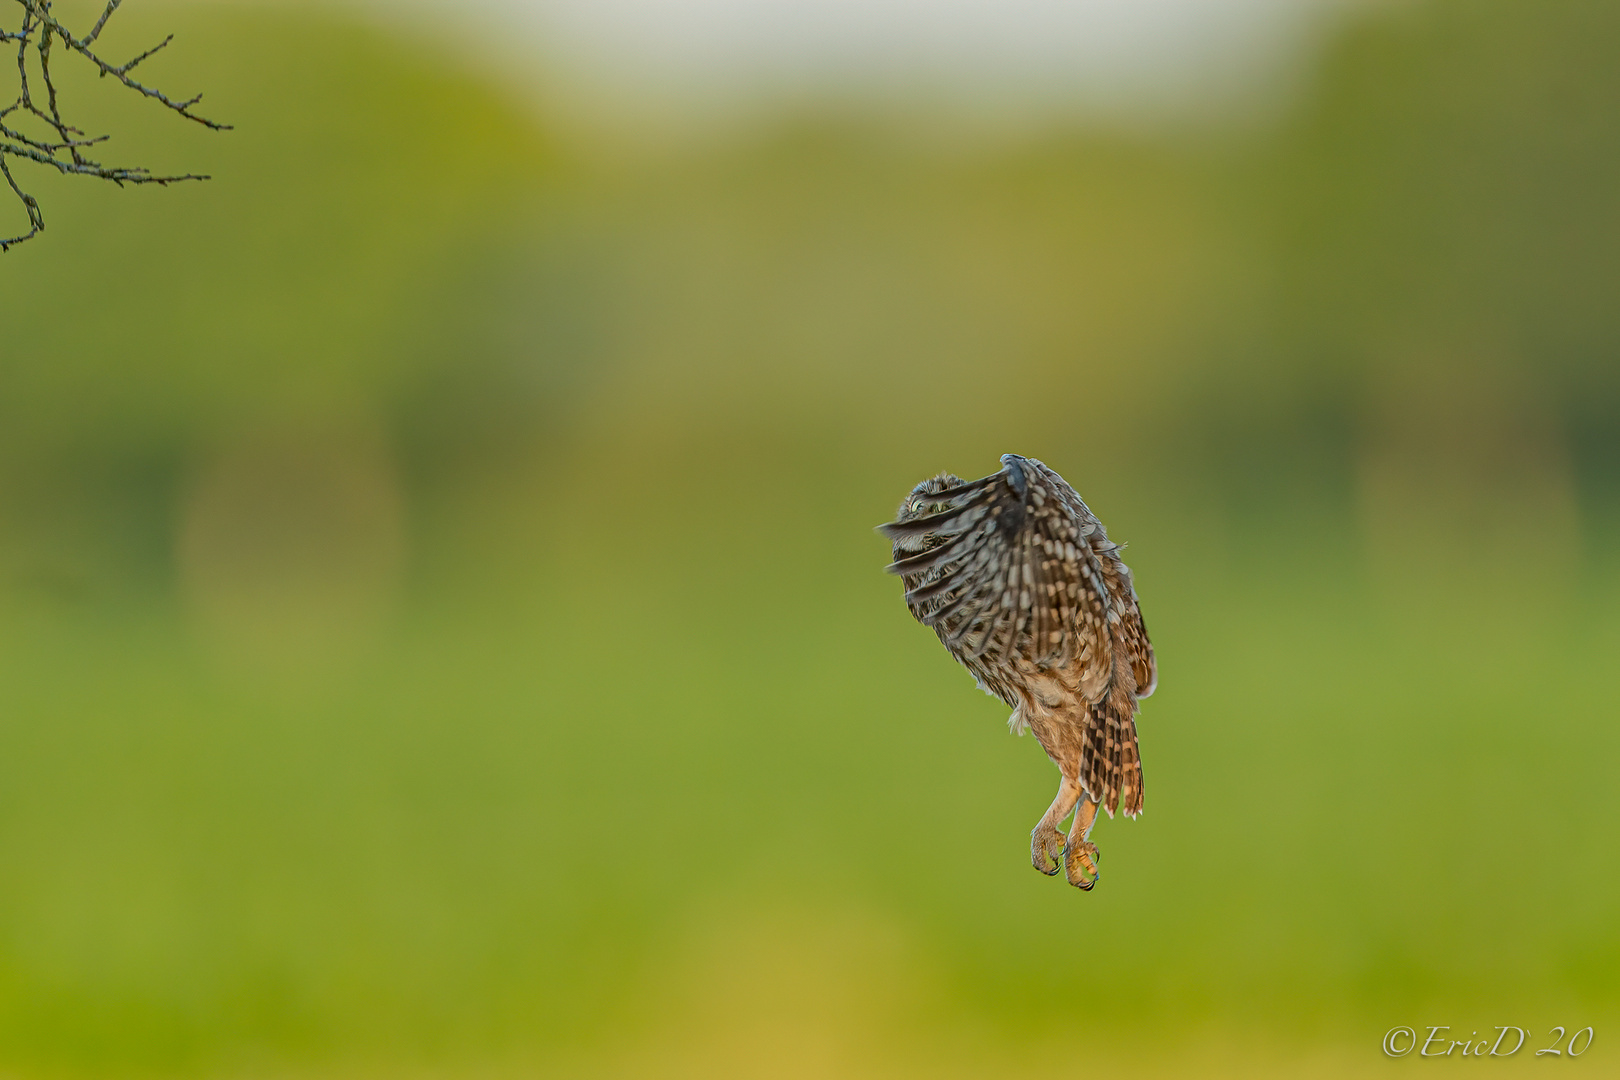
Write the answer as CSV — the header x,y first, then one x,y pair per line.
x,y
1021,583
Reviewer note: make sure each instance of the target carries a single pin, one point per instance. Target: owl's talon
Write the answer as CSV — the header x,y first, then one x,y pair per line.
x,y
1079,859
1046,849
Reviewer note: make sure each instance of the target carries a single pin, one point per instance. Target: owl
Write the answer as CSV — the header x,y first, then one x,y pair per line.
x,y
1021,583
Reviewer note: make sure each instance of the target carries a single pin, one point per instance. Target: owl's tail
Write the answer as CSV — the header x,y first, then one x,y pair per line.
x,y
1110,766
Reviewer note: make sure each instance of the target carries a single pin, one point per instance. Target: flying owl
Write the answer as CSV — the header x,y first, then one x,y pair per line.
x,y
1021,583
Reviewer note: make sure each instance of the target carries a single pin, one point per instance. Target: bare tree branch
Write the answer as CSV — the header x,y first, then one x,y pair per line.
x,y
61,145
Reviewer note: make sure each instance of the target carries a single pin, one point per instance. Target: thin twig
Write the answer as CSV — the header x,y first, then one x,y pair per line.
x,y
95,31
63,150
35,219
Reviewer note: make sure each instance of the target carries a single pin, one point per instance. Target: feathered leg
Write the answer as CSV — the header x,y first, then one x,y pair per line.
x,y
1079,853
1045,842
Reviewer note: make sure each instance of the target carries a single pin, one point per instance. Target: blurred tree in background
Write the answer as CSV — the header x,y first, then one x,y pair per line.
x,y
440,623
1449,249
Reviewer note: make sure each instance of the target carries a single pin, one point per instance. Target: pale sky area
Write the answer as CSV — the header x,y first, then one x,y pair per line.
x,y
696,55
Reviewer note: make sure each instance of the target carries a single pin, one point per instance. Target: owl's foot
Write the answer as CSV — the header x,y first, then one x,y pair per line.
x,y
1046,848
1080,859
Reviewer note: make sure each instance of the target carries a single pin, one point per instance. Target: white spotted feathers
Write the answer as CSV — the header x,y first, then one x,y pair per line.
x,y
1022,585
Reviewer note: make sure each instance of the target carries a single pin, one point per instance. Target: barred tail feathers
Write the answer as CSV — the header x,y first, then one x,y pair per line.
x,y
1110,766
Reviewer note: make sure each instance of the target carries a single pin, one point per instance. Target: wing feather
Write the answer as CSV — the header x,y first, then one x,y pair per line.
x,y
1006,571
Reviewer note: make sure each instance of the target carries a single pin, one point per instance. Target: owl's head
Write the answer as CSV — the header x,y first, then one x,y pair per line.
x,y
921,503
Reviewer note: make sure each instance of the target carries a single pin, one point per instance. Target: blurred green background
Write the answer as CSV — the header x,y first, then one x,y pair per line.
x,y
441,630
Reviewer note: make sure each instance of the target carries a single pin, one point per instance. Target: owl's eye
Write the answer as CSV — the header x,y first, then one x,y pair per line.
x,y
917,507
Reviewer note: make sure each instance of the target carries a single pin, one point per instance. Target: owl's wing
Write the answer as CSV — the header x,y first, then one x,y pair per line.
x,y
1011,570
1143,665
1132,632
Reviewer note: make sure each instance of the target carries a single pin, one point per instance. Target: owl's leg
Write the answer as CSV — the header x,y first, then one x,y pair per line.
x,y
1045,842
1079,853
